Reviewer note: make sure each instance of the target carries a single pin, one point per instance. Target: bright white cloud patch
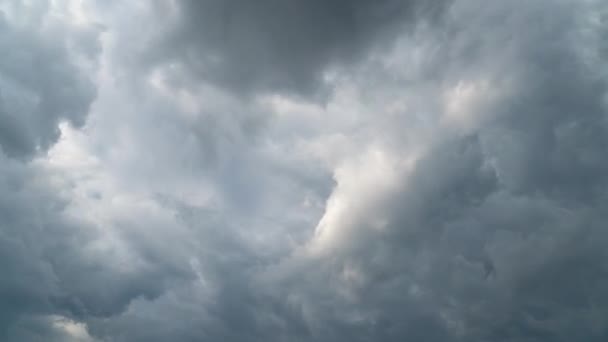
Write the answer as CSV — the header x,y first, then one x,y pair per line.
x,y
358,170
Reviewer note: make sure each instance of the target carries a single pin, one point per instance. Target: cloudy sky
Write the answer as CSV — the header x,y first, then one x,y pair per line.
x,y
303,170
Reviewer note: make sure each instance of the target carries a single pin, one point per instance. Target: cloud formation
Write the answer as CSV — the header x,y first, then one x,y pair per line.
x,y
282,46
41,83
304,171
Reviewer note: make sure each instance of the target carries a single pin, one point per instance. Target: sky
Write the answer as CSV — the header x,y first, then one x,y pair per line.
x,y
303,170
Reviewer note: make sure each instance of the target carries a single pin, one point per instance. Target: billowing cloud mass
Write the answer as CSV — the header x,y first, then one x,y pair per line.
x,y
40,82
339,170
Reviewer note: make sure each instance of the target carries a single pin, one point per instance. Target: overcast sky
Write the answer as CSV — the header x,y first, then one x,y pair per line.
x,y
303,170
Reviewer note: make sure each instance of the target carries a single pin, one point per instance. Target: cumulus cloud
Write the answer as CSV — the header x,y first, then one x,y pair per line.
x,y
281,46
177,178
46,248
41,78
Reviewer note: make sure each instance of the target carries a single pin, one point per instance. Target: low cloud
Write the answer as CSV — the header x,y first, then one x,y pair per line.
x,y
450,185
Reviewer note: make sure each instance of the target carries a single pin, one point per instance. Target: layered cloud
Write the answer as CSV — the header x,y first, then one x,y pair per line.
x,y
303,171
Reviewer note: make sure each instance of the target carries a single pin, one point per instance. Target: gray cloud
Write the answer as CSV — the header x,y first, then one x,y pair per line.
x,y
46,250
40,83
489,228
282,46
45,254
467,199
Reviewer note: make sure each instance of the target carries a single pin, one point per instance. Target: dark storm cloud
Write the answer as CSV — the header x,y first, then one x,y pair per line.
x,y
496,236
32,329
40,85
45,253
496,233
50,265
500,232
223,292
282,46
